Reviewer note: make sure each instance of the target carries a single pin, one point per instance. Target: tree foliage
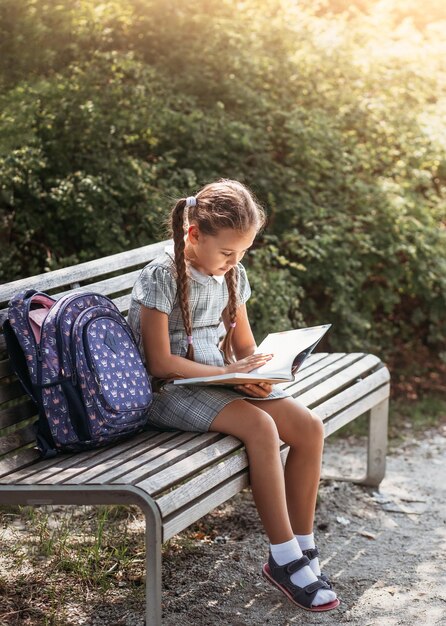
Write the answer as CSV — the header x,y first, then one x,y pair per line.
x,y
330,111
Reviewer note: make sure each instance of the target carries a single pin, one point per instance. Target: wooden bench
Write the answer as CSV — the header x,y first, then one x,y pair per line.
x,y
174,477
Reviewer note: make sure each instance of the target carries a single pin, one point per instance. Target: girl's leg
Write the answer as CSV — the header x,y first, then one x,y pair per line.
x,y
303,431
257,430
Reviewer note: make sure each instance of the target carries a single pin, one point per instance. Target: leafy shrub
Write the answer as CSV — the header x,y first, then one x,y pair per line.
x,y
111,111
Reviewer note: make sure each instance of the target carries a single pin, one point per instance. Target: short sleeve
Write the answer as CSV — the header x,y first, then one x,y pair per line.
x,y
244,289
155,288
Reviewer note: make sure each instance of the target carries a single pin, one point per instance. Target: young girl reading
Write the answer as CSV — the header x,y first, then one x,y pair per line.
x,y
177,305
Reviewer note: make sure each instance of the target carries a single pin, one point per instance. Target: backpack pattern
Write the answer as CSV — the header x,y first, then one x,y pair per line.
x,y
85,370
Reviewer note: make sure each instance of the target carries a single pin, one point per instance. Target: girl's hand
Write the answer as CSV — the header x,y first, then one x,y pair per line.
x,y
256,390
247,364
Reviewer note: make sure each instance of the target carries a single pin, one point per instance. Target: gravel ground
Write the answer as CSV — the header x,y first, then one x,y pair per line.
x,y
384,551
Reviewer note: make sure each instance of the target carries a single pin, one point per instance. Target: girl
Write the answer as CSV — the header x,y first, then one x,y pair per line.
x,y
176,308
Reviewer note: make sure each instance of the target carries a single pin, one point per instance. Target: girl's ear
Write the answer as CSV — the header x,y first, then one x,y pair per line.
x,y
193,233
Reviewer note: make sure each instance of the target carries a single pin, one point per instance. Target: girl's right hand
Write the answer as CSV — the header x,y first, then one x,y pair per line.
x,y
248,363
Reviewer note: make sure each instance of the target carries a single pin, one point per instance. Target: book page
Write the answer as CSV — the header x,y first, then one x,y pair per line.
x,y
286,347
231,379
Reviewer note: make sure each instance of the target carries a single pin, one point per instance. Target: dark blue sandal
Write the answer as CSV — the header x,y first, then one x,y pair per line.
x,y
280,577
312,553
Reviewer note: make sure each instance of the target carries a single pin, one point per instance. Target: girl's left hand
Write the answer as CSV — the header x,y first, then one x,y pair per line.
x,y
259,390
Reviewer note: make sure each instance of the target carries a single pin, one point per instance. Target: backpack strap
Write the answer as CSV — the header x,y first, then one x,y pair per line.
x,y
17,359
44,438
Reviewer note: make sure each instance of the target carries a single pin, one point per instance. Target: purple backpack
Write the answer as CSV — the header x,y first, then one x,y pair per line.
x,y
78,360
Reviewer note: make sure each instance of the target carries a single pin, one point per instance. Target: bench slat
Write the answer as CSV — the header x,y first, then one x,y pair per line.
x,y
354,394
46,467
16,440
322,373
83,271
354,411
11,391
120,465
5,369
161,463
123,303
322,368
313,364
208,480
202,505
109,286
191,465
205,481
13,415
25,457
101,473
337,382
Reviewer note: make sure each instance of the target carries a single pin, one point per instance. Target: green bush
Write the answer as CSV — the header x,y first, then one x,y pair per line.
x,y
329,111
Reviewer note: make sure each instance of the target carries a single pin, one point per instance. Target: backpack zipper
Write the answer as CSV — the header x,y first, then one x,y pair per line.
x,y
31,332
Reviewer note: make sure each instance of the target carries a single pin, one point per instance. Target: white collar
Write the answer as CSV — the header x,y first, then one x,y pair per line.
x,y
201,278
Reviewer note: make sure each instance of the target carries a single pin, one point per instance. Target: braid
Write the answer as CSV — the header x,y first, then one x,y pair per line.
x,y
231,308
225,204
182,278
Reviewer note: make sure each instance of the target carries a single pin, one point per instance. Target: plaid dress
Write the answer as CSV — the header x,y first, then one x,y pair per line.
x,y
189,407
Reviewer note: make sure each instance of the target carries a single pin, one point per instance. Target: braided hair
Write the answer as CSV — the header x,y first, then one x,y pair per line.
x,y
219,205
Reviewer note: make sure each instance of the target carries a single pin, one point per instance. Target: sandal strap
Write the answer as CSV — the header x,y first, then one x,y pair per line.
x,y
325,578
282,573
294,566
311,553
312,587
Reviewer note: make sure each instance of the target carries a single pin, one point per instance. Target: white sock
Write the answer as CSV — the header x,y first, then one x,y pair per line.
x,y
305,542
290,551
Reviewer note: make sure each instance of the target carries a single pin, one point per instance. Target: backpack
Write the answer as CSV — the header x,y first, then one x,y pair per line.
x,y
78,360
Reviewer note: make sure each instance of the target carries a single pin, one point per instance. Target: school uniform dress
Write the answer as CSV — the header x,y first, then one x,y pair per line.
x,y
189,407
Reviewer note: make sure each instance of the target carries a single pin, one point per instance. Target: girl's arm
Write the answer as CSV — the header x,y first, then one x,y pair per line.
x,y
244,344
243,341
163,364
160,362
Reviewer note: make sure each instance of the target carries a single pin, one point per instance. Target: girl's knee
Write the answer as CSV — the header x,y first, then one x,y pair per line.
x,y
317,426
315,422
263,430
250,424
314,427
306,429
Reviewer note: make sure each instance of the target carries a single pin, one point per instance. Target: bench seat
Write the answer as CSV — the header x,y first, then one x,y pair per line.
x,y
175,477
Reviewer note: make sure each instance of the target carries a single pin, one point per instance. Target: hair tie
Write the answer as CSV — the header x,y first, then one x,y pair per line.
x,y
189,340
233,324
191,201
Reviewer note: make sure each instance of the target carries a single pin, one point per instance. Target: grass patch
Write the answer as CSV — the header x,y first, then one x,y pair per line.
x,y
52,556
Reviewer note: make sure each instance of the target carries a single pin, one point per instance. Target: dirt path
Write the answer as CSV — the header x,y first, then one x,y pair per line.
x,y
385,552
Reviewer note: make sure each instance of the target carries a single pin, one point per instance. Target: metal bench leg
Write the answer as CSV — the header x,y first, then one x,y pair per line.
x,y
153,567
377,444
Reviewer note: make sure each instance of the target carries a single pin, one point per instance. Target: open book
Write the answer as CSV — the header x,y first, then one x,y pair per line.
x,y
290,349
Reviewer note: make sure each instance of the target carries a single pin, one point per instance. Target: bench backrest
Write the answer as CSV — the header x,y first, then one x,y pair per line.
x,y
112,276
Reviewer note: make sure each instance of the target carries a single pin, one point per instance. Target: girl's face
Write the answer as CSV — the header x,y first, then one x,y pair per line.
x,y
216,254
